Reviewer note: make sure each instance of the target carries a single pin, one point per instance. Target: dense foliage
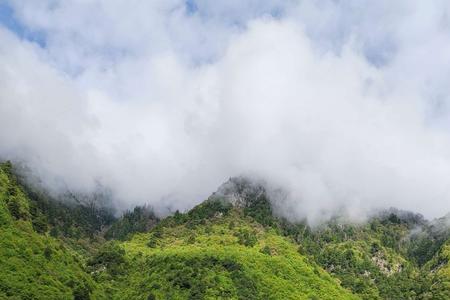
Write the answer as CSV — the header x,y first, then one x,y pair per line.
x,y
140,219
216,260
231,246
69,215
34,265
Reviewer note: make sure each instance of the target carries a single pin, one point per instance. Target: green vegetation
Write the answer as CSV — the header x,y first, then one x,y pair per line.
x,y
223,263
231,246
438,272
34,265
141,219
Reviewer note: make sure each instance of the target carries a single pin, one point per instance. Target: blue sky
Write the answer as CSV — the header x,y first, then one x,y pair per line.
x,y
9,20
344,23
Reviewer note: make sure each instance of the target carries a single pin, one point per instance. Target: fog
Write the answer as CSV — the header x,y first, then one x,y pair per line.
x,y
343,106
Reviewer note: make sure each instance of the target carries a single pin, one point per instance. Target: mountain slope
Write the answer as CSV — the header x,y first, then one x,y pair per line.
x,y
211,252
226,256
439,273
33,265
231,246
381,258
367,258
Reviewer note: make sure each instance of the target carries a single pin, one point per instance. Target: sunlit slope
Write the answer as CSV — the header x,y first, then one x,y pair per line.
x,y
227,256
232,246
33,265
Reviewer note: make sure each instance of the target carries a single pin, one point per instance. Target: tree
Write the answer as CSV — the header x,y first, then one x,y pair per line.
x,y
40,223
14,208
111,256
48,252
246,237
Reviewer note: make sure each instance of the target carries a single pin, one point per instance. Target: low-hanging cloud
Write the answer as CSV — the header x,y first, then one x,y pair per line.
x,y
344,107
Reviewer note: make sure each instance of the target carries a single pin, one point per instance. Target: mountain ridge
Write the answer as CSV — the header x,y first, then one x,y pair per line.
x,y
233,240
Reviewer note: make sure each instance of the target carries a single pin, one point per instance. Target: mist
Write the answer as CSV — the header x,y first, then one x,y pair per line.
x,y
344,108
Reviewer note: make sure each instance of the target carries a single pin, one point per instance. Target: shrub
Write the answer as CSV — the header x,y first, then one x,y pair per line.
x,y
81,292
40,224
153,242
191,239
48,252
246,237
266,250
14,208
110,256
209,209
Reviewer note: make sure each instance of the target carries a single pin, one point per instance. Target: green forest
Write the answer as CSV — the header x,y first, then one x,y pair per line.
x,y
76,247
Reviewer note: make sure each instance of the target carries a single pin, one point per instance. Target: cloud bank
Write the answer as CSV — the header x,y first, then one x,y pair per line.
x,y
343,105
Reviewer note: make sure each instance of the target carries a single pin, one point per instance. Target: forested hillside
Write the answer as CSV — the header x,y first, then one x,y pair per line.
x,y
34,265
231,246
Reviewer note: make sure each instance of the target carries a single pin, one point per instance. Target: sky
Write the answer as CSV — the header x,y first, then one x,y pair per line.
x,y
344,105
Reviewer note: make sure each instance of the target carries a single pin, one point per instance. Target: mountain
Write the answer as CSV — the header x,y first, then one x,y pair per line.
x,y
438,269
34,265
215,252
231,246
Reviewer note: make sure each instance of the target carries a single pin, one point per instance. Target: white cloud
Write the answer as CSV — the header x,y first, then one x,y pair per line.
x,y
342,105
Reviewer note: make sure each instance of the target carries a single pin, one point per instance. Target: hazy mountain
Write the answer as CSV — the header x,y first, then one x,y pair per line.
x,y
231,246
